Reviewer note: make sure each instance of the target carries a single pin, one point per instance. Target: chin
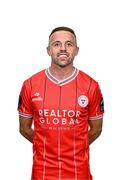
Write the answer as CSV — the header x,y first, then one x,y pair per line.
x,y
63,65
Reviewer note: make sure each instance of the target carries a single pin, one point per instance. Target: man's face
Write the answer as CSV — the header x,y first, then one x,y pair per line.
x,y
62,48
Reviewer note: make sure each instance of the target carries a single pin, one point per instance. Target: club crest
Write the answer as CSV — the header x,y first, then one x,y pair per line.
x,y
83,101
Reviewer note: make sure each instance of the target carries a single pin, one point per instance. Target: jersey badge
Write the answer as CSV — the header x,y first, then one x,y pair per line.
x,y
83,101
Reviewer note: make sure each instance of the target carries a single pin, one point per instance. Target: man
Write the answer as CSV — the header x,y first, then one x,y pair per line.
x,y
66,107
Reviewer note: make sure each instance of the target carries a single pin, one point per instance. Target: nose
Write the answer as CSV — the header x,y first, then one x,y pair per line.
x,y
63,47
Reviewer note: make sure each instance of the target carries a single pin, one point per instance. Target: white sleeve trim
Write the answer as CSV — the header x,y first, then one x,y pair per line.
x,y
25,115
96,117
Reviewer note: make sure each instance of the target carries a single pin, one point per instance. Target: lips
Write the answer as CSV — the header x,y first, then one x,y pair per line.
x,y
63,55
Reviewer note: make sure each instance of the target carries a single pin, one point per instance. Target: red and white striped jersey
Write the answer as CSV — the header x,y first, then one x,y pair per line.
x,y
60,112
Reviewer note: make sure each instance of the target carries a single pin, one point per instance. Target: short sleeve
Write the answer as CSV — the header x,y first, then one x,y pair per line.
x,y
24,102
96,105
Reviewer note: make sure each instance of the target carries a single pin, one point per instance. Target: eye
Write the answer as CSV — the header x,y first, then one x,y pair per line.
x,y
56,44
69,44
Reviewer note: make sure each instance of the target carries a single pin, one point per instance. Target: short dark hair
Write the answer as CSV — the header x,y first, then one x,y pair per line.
x,y
62,28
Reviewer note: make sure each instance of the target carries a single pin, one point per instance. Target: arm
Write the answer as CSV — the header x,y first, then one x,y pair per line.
x,y
95,129
25,128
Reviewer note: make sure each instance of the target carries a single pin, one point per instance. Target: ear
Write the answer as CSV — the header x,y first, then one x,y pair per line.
x,y
48,50
77,50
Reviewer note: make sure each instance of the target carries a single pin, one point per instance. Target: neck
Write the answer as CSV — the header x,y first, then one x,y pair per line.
x,y
61,73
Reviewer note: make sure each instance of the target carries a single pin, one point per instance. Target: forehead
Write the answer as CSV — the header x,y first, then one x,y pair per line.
x,y
62,36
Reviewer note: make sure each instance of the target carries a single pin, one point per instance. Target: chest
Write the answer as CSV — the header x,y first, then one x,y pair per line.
x,y
67,101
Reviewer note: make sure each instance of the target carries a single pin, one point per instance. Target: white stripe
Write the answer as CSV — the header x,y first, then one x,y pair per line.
x,y
96,117
60,82
75,157
44,154
70,79
59,160
53,76
49,77
25,115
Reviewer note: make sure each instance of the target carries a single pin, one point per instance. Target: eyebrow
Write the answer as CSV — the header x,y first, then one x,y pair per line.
x,y
60,42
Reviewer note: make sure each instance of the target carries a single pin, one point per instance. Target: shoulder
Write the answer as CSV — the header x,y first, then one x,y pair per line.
x,y
35,78
87,80
84,76
37,75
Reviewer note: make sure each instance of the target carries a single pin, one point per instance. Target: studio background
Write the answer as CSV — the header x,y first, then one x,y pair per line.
x,y
24,29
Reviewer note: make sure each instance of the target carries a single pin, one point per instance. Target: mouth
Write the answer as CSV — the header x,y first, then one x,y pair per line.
x,y
63,55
